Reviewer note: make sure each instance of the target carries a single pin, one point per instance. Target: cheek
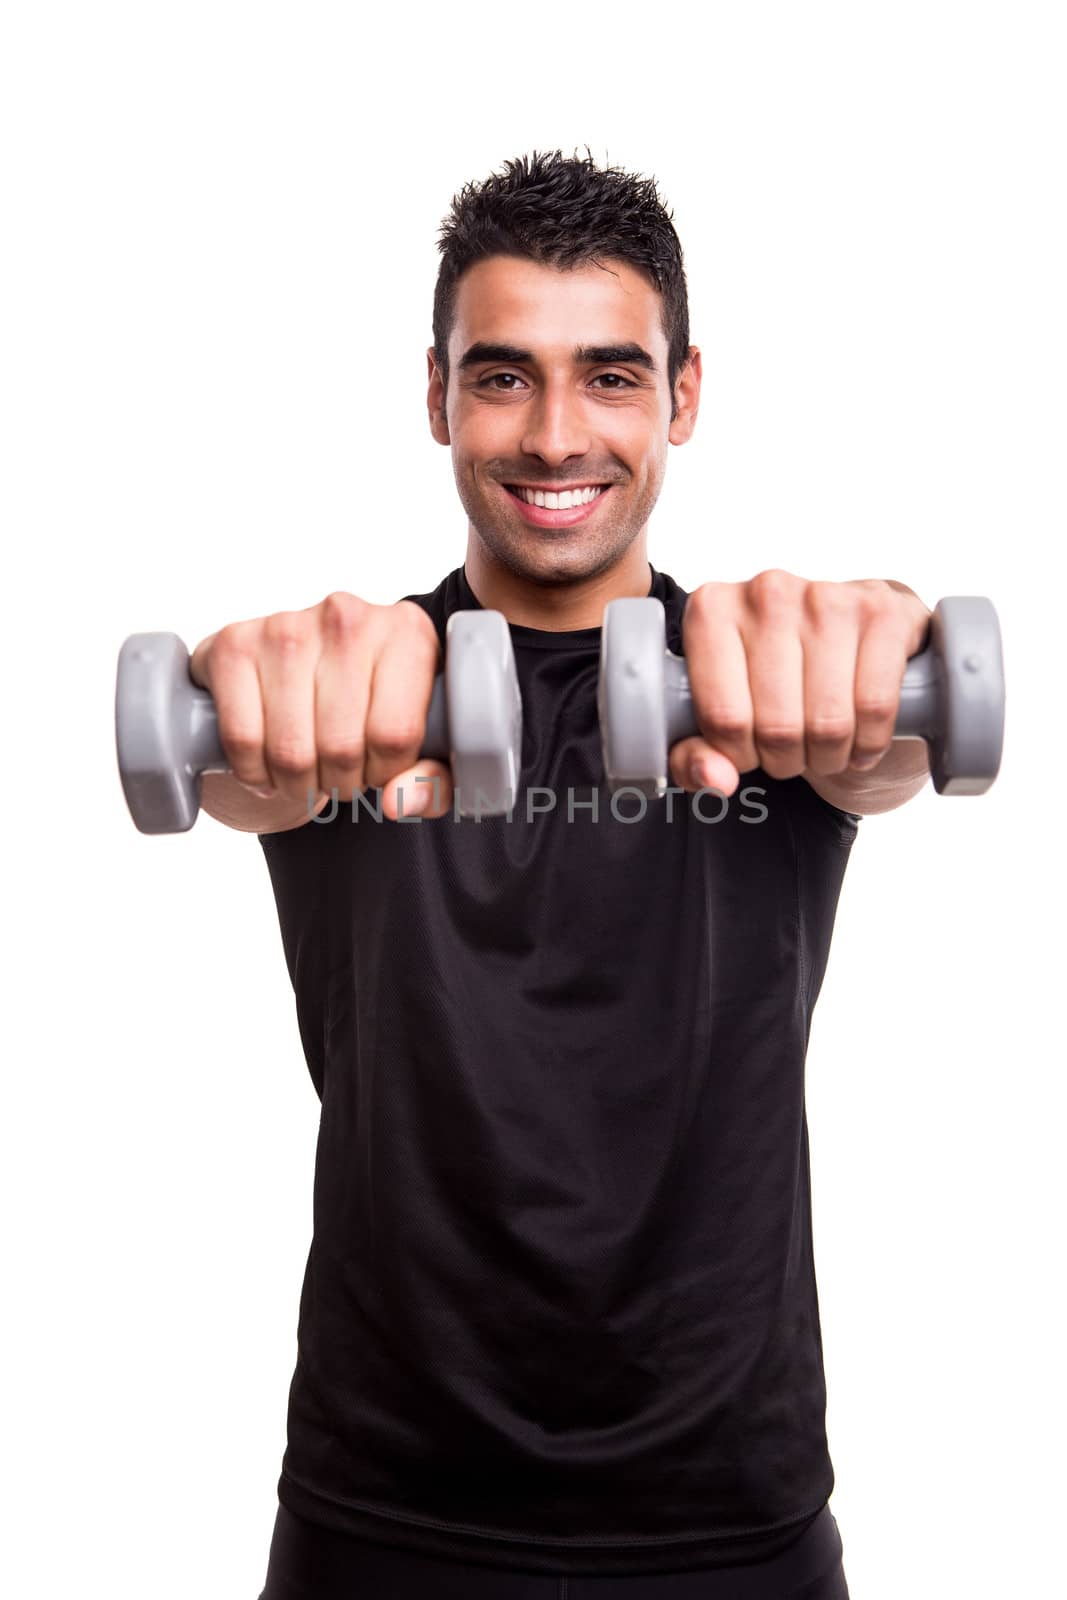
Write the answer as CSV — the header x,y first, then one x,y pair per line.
x,y
646,464
636,438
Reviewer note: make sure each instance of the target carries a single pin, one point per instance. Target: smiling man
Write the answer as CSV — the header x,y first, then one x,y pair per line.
x,y
559,1334
555,386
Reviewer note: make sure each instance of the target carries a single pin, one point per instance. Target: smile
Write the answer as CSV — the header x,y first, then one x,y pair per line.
x,y
550,508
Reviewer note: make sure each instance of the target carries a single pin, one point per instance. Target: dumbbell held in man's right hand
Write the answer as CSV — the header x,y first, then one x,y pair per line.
x,y
952,696
167,730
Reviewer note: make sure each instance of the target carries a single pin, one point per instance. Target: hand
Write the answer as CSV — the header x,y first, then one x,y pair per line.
x,y
794,676
335,696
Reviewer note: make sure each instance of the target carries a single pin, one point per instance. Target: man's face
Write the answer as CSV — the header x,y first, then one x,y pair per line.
x,y
558,380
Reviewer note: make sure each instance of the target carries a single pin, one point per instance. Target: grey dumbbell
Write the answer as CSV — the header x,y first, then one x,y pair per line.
x,y
167,734
951,695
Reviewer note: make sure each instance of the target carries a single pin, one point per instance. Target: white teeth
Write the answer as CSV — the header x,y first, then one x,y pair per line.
x,y
559,502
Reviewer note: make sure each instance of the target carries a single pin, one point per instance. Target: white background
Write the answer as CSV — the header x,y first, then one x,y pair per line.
x,y
219,249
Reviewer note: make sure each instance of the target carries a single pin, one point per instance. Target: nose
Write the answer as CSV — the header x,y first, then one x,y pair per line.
x,y
556,427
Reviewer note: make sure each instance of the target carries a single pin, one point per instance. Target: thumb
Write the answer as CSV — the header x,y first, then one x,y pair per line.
x,y
716,770
424,790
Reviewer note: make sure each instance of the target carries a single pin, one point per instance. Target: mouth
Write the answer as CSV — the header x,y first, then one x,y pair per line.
x,y
557,508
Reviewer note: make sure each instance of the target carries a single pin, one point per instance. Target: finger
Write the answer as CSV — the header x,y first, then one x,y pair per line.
x,y
829,647
424,789
776,679
233,681
694,764
400,694
880,664
719,684
343,678
286,663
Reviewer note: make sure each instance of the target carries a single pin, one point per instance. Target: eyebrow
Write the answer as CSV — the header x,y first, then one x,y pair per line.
x,y
585,355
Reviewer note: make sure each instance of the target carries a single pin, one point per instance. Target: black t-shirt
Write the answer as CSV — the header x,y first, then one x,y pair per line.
x,y
560,1309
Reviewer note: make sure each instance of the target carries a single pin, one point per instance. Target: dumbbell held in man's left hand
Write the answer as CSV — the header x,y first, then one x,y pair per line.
x,y
952,696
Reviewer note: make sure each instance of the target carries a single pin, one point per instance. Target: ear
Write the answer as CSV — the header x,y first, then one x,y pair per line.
x,y
686,398
435,400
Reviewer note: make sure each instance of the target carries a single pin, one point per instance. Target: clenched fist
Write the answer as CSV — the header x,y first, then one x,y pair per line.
x,y
793,675
332,697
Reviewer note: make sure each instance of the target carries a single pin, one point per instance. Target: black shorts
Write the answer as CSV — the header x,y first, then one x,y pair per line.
x,y
311,1563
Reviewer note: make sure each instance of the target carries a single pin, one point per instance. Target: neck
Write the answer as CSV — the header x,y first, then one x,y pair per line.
x,y
557,605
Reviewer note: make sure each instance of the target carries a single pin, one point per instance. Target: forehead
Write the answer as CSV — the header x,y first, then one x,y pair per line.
x,y
507,300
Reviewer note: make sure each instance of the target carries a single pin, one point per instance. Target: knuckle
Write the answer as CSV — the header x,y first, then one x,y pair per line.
x,y
226,639
709,598
779,736
291,756
876,707
233,642
419,632
396,737
772,589
340,751
412,614
830,727
286,631
239,743
876,599
726,722
342,612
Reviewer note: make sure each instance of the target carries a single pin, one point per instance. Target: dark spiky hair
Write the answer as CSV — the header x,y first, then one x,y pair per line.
x,y
564,211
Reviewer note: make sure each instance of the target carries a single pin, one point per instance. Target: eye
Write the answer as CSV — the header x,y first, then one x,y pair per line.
x,y
492,378
618,377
